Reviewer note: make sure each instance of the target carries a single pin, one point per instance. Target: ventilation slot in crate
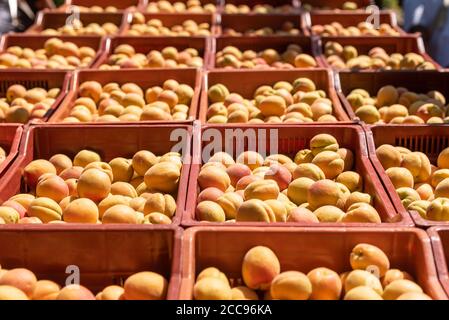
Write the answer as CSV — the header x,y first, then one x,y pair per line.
x,y
4,85
429,145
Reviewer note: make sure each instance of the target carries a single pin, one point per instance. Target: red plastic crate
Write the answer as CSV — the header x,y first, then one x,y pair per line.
x,y
43,141
37,42
303,249
172,19
278,43
291,139
104,256
430,140
10,136
295,4
403,44
440,241
347,19
54,20
145,44
144,78
245,22
46,79
372,81
255,78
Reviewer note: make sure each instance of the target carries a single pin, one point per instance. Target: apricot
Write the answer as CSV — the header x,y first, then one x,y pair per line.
x,y
158,202
210,211
211,288
399,287
94,184
362,213
145,286
123,189
260,267
291,285
400,177
262,190
362,293
414,296
72,173
230,203
212,272
308,170
11,293
323,142
304,61
217,93
102,166
45,209
438,210
330,163
35,169
75,292
418,164
163,177
442,189
393,275
272,106
359,278
297,190
443,159
255,210
407,196
279,210
142,161
243,293
389,156
112,293
326,284
438,176
238,171
23,199
304,156
214,177
368,114
9,215
302,215
20,278
352,180
61,162
366,255
323,192
280,175
52,187
84,157
81,211
210,194
119,214
157,218
45,289
251,159
328,214
387,96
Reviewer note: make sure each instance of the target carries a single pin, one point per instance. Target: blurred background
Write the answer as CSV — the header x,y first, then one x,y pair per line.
x,y
429,17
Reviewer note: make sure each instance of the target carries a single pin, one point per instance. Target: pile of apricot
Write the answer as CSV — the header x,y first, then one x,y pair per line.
x,y
348,57
258,9
293,57
397,105
421,186
125,57
282,102
21,104
129,102
263,279
22,284
362,29
348,5
155,27
287,29
98,9
189,6
78,29
56,54
317,185
141,190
